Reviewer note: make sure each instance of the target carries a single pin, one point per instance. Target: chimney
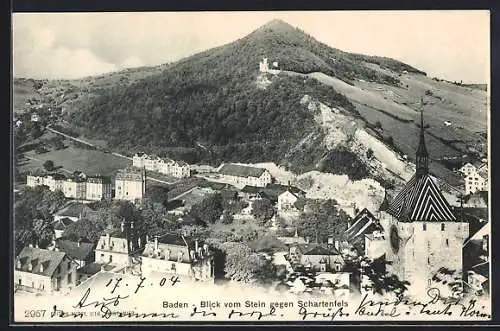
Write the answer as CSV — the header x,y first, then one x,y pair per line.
x,y
108,239
337,244
79,242
123,226
196,245
156,242
147,239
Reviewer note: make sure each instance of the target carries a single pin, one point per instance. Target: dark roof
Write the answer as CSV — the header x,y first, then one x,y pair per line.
x,y
483,269
50,260
251,189
62,223
90,268
320,250
421,200
363,223
115,233
99,179
483,195
74,251
172,239
241,170
385,203
283,188
74,209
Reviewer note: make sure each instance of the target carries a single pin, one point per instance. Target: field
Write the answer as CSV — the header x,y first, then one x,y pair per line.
x,y
73,159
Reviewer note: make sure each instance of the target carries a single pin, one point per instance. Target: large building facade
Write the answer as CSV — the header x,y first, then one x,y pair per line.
x,y
423,235
130,184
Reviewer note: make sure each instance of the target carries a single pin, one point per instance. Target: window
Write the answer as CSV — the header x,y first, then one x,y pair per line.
x,y
447,242
110,258
70,278
20,281
442,226
33,284
424,227
102,256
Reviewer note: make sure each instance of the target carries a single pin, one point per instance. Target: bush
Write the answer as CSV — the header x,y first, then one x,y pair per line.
x,y
48,165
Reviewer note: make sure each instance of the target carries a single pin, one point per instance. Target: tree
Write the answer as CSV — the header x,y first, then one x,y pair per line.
x,y
84,228
323,219
43,232
381,281
209,210
244,266
262,210
155,217
227,217
157,193
48,165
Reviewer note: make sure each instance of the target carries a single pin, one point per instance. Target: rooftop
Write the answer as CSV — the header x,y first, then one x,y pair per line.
x,y
62,223
43,261
90,268
74,209
237,170
364,223
75,250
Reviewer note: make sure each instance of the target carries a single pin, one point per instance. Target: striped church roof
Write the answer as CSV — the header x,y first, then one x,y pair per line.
x,y
421,200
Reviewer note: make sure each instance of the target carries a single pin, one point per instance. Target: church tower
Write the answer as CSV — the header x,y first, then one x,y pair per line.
x,y
423,235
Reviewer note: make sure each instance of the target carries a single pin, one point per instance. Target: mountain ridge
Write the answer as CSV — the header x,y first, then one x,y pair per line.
x,y
212,97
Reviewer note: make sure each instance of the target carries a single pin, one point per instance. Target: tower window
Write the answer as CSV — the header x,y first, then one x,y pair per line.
x,y
424,227
442,226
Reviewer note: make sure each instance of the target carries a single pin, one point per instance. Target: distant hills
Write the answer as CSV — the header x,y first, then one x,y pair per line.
x,y
213,107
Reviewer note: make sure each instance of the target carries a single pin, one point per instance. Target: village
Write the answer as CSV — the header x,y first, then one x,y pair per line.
x,y
303,261
210,223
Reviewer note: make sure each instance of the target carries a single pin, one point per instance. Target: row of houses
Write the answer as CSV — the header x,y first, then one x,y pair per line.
x,y
66,264
130,184
179,169
77,187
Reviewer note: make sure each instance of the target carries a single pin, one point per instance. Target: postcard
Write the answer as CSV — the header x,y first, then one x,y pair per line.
x,y
251,166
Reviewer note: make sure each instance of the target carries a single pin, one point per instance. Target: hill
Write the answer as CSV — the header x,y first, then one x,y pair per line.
x,y
217,106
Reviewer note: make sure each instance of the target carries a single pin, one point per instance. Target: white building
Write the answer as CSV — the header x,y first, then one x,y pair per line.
x,y
98,188
170,167
115,245
42,270
242,175
467,169
263,65
173,254
75,188
476,180
130,184
287,199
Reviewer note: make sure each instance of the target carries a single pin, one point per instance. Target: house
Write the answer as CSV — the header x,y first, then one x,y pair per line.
x,y
34,180
317,257
53,181
263,65
478,199
287,199
447,123
251,193
60,226
477,180
81,252
130,184
75,188
179,169
116,245
467,169
171,253
242,175
366,234
18,123
73,211
98,188
43,270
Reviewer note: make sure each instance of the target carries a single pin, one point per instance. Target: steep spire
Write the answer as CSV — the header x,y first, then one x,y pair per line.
x,y
422,157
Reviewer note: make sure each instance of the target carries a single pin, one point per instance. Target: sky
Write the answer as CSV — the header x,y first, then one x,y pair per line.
x,y
453,45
